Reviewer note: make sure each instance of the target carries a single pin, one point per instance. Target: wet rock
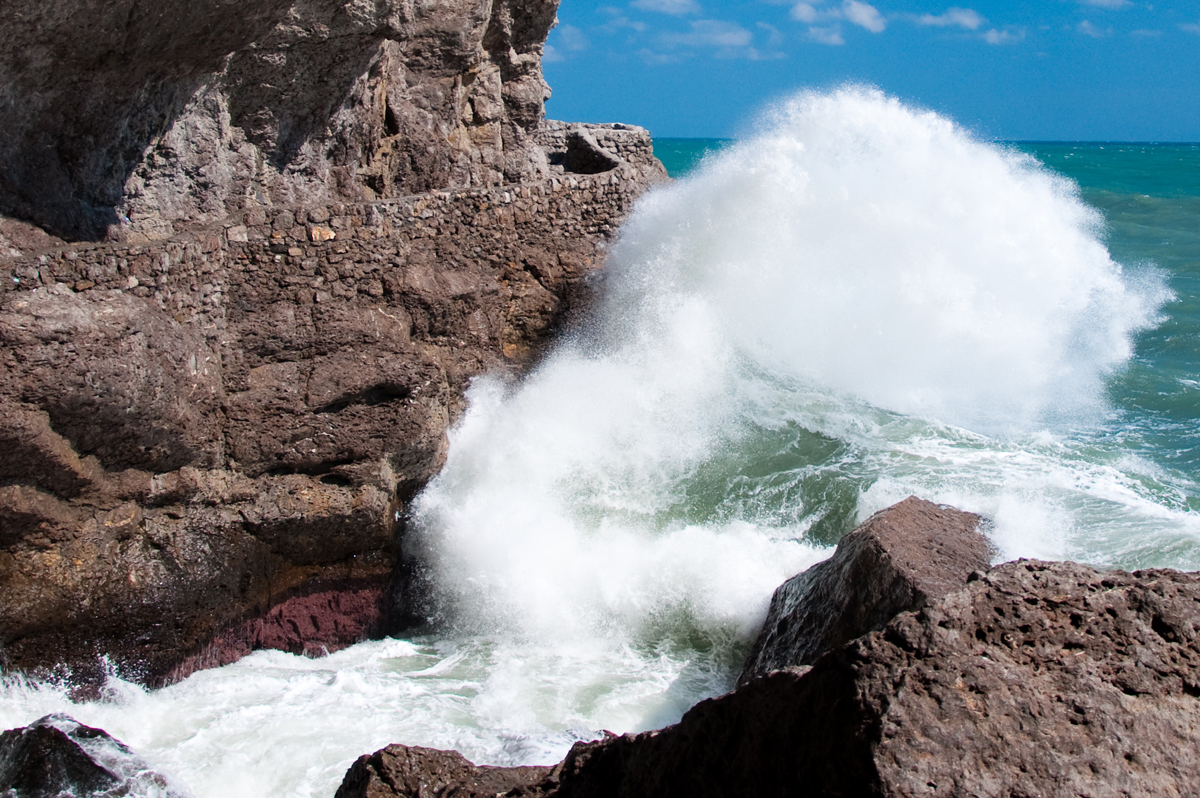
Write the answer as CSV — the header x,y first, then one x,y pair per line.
x,y
57,756
411,772
1035,679
900,559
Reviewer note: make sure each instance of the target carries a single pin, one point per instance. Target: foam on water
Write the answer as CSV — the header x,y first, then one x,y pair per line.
x,y
861,302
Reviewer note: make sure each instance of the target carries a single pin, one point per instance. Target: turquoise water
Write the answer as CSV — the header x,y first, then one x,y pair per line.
x,y
1149,195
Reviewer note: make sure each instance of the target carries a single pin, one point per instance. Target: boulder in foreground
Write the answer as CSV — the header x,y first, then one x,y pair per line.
x,y
900,559
58,756
401,770
1035,679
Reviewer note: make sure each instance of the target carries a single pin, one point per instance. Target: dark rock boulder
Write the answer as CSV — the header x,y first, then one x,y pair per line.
x,y
57,756
411,772
1037,678
901,558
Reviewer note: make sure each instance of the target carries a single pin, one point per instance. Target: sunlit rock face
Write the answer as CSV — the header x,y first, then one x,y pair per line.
x,y
134,119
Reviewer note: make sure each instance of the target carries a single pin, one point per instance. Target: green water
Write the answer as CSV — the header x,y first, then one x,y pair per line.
x,y
1149,195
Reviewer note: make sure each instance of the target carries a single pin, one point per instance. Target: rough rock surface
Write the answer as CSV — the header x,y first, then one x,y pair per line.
x,y
1035,679
901,558
57,756
204,428
414,772
212,434
134,119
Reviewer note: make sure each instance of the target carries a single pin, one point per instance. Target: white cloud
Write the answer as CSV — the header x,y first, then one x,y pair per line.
x,y
1114,4
711,33
962,17
1088,29
1143,33
1191,27
774,37
551,55
654,59
619,21
571,38
1003,36
803,12
830,35
667,6
864,15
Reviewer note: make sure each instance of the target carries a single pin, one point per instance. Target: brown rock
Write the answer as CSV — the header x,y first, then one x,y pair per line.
x,y
216,418
1038,678
411,772
57,756
122,120
900,559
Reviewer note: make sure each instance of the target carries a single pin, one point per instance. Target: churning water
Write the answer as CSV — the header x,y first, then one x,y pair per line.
x,y
861,302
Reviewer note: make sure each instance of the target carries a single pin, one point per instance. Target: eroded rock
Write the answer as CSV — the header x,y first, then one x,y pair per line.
x,y
319,224
123,120
1035,679
900,559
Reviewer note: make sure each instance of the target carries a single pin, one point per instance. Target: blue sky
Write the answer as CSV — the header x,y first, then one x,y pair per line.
x,y
1115,70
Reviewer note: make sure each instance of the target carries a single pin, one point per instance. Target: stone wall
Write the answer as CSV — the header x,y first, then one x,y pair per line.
x,y
209,427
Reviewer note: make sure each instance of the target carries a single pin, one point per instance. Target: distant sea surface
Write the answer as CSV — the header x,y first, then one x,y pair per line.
x,y
860,303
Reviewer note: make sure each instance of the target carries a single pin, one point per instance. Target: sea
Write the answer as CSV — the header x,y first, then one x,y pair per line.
x,y
856,301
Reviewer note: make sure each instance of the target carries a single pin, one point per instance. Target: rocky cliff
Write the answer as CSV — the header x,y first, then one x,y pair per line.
x,y
134,119
321,219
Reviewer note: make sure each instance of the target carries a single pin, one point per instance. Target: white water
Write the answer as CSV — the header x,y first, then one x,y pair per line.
x,y
860,303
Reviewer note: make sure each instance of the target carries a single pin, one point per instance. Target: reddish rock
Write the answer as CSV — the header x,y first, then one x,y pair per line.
x,y
899,559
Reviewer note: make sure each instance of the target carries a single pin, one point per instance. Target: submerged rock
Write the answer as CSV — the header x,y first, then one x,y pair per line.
x,y
900,559
56,757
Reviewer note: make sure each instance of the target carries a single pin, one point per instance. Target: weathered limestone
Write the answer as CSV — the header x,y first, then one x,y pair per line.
x,y
134,120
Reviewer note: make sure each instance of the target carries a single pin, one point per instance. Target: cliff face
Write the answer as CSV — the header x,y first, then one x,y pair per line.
x,y
137,118
328,217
